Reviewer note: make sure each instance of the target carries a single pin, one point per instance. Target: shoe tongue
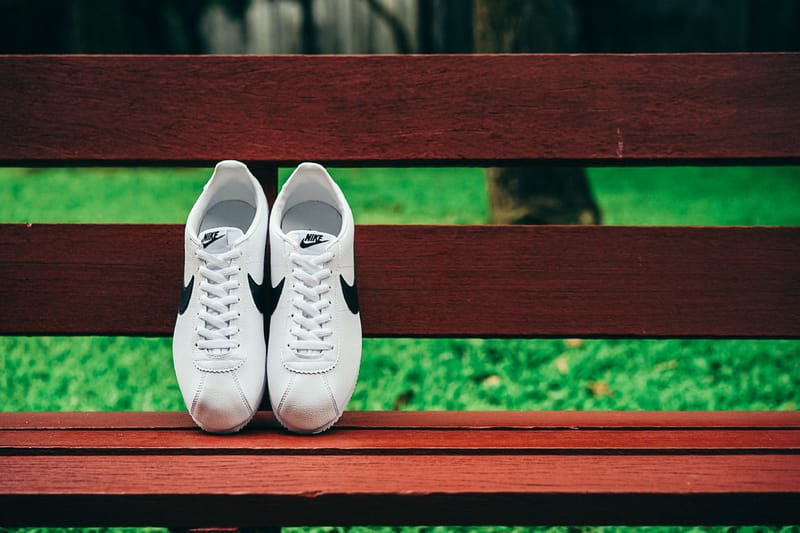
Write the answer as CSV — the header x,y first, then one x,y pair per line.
x,y
311,242
219,240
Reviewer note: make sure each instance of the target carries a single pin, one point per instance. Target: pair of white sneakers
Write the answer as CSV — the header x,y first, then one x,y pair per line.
x,y
219,349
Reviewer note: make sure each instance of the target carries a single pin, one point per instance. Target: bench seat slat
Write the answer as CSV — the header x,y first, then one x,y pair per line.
x,y
404,489
429,420
404,441
320,474
400,109
403,468
433,281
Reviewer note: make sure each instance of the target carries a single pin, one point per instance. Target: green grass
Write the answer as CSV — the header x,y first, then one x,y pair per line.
x,y
87,373
642,196
698,196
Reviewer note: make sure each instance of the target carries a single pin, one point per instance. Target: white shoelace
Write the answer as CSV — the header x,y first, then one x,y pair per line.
x,y
219,294
311,304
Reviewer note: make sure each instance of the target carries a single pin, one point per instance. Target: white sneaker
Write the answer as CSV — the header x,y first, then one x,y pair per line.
x,y
219,348
315,330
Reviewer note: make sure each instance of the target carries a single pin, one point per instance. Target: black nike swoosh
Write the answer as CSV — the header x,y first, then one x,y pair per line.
x,y
186,295
275,296
304,244
350,294
258,293
213,239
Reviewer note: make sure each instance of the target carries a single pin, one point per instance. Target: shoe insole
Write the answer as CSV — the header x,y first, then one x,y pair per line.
x,y
230,214
314,216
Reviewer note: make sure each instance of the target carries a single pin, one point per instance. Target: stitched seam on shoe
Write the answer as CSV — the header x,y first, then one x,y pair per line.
x,y
309,372
197,393
330,393
241,394
333,365
286,393
217,371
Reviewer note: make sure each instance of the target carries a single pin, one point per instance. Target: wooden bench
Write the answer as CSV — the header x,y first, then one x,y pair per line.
x,y
72,469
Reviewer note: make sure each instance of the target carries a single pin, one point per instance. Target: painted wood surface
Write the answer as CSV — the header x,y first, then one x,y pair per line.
x,y
158,469
388,420
431,281
398,109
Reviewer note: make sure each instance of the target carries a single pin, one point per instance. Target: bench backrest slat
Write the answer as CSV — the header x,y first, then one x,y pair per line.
x,y
400,110
448,281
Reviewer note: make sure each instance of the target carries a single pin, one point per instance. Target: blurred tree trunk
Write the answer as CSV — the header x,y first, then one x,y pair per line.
x,y
402,41
308,31
533,195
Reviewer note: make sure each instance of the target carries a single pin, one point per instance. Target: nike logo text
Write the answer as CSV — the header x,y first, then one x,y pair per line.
x,y
210,238
257,291
186,295
312,239
350,294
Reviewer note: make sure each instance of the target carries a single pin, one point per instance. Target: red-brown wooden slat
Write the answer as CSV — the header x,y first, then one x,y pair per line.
x,y
438,280
496,473
546,420
407,441
399,489
393,109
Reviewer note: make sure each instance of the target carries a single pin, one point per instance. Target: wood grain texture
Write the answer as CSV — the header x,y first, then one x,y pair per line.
x,y
429,281
400,109
399,489
343,441
403,468
389,420
283,475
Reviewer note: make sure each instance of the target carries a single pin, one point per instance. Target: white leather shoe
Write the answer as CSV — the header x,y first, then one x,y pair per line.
x,y
315,328
219,348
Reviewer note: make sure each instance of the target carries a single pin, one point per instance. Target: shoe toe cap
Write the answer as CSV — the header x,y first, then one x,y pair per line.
x,y
308,405
220,405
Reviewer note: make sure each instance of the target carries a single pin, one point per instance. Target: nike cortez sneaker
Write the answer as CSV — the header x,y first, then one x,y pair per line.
x,y
219,347
315,328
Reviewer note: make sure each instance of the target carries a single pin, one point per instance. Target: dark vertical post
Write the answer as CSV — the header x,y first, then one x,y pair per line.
x,y
308,29
533,194
267,176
